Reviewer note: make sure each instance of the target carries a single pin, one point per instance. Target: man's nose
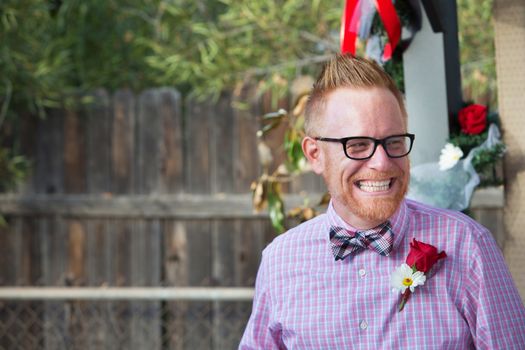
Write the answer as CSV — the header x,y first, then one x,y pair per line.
x,y
380,159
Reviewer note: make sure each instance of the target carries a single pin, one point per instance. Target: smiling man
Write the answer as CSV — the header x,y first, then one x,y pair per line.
x,y
369,189
327,284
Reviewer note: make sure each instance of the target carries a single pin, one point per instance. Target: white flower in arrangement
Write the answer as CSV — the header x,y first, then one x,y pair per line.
x,y
405,277
450,155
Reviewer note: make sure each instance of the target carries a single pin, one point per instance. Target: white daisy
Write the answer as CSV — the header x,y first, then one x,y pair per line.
x,y
450,155
403,278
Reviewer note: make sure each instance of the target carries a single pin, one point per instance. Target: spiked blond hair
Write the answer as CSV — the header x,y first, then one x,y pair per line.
x,y
344,70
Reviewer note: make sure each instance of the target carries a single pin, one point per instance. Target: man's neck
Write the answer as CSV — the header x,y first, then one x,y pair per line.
x,y
355,221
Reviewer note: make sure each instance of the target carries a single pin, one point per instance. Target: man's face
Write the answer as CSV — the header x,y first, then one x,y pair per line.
x,y
364,192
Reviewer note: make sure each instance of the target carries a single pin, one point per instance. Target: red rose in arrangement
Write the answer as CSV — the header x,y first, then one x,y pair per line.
x,y
423,256
473,119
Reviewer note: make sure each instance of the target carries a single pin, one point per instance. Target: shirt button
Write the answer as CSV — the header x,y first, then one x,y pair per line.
x,y
363,325
362,272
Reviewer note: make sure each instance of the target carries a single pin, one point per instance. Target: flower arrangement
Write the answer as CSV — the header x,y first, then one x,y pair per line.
x,y
478,133
411,274
470,159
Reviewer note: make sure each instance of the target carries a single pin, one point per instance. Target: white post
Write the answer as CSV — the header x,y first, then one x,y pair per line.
x,y
426,93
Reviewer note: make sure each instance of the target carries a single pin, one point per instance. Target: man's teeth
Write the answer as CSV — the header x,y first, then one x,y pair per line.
x,y
374,186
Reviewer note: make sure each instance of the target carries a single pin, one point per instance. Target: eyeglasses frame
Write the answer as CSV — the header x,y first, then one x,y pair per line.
x,y
381,142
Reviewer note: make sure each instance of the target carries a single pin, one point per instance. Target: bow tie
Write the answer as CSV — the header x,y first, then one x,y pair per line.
x,y
346,242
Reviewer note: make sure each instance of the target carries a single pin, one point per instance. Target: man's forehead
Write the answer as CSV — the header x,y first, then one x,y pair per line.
x,y
351,105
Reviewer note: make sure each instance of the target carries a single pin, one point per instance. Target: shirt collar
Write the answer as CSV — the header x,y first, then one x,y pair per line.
x,y
398,222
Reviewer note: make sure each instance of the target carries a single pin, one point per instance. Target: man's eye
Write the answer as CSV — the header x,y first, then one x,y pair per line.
x,y
357,146
396,143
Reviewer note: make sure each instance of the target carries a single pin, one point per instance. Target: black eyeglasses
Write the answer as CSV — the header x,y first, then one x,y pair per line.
x,y
363,147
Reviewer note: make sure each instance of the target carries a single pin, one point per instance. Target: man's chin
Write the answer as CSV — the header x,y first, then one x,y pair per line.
x,y
380,209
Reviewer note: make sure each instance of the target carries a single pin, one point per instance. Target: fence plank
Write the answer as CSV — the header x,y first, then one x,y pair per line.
x,y
245,125
99,134
176,274
198,317
49,162
223,270
195,317
146,265
230,206
123,142
7,275
221,146
123,182
146,271
54,261
148,129
30,321
7,278
123,264
77,249
172,145
74,153
98,138
100,267
197,136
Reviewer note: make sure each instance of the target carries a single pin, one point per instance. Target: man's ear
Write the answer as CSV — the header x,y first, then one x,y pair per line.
x,y
313,153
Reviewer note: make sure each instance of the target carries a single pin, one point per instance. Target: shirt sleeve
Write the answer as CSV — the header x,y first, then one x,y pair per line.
x,y
259,333
492,307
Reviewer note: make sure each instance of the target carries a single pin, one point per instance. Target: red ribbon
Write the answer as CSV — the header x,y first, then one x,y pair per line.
x,y
350,25
349,29
388,15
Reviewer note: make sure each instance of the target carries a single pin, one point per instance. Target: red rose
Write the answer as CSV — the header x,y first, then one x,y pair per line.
x,y
473,119
423,256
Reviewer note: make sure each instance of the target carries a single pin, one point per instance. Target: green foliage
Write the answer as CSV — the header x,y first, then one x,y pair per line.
x,y
476,41
394,68
294,152
484,162
13,169
30,67
468,142
276,207
251,41
50,49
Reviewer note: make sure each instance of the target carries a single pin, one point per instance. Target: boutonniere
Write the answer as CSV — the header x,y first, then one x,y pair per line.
x,y
411,274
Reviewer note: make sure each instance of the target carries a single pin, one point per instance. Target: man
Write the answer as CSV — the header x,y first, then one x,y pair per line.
x,y
326,284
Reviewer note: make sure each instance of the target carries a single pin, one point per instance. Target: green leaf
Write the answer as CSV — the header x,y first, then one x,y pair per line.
x,y
294,152
276,207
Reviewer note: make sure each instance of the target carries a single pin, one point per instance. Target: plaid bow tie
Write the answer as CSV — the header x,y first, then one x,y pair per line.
x,y
346,242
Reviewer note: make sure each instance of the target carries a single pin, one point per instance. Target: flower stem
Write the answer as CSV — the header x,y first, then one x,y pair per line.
x,y
404,299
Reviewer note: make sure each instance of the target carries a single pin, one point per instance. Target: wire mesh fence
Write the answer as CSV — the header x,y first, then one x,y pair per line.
x,y
113,323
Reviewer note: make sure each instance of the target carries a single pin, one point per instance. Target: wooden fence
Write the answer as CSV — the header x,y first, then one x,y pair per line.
x,y
137,190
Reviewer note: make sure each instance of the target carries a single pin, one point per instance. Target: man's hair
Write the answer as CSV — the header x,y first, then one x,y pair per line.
x,y
344,70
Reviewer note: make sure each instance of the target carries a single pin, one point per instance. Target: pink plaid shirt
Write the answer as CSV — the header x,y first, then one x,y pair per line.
x,y
305,299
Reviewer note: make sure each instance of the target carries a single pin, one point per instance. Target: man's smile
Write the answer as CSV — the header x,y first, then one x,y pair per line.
x,y
374,185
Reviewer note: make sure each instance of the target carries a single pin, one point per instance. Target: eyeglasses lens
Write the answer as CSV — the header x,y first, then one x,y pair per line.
x,y
395,146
